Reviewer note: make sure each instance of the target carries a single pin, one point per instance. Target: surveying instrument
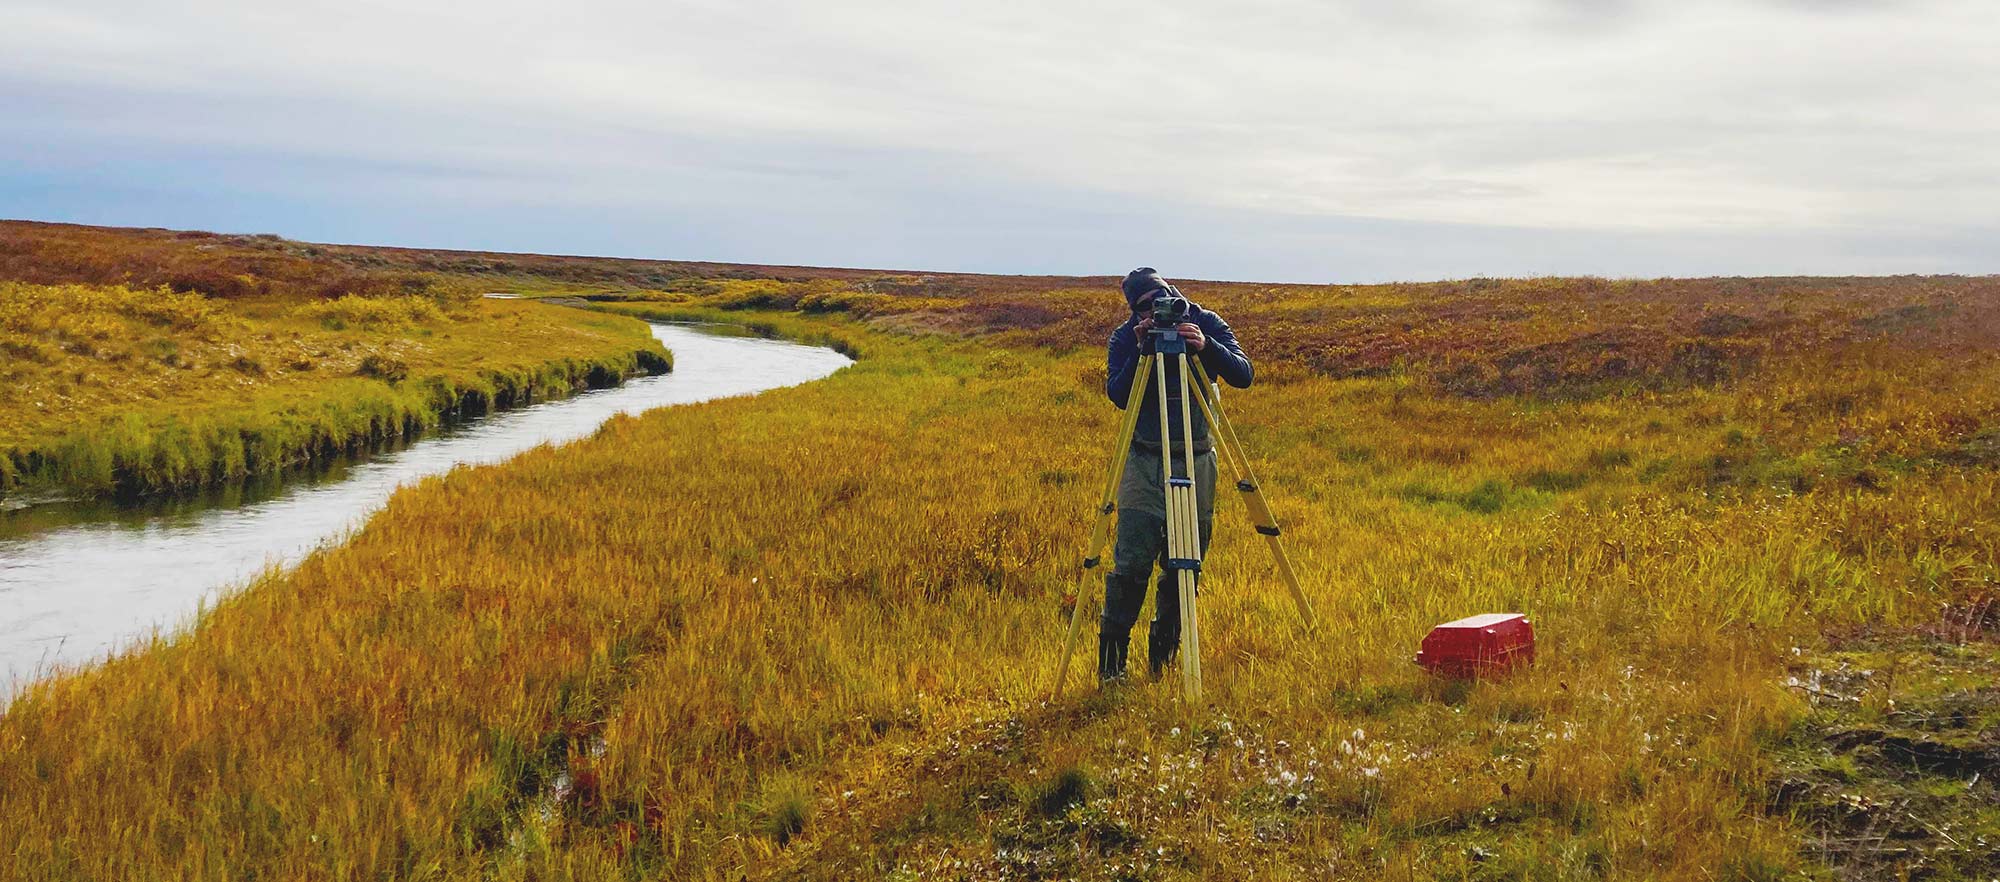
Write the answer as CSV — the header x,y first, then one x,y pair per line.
x,y
1170,355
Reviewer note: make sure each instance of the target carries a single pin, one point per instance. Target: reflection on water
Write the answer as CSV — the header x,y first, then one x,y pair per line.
x,y
81,579
34,516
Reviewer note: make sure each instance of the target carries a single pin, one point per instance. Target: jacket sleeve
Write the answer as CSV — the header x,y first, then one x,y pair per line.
x,y
1121,362
1223,356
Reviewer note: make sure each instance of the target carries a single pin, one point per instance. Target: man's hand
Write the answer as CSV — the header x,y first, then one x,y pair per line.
x,y
1144,327
1190,332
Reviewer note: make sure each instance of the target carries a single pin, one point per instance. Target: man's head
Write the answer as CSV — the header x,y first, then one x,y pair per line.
x,y
1140,284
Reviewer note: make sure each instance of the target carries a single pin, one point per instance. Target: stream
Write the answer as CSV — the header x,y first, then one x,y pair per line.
x,y
82,580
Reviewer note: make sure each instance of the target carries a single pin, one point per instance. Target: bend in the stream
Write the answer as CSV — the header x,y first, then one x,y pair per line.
x,y
83,581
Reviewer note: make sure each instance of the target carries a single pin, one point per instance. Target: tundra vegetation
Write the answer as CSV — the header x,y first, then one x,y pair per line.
x,y
139,382
809,634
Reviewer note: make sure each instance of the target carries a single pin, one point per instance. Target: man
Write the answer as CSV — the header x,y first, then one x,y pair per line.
x,y
1142,509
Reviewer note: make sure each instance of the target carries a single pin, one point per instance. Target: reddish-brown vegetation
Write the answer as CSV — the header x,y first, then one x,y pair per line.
x,y
1551,337
808,635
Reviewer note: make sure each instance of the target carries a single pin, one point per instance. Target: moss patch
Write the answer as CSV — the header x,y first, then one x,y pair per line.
x,y
1893,773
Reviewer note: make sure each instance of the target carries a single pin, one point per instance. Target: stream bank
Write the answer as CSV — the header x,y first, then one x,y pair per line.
x,y
80,580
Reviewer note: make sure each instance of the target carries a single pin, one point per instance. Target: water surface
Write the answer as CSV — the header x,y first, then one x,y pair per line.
x,y
81,580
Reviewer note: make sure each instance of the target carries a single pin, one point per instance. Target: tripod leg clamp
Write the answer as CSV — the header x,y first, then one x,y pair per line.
x,y
1268,531
1184,563
1108,508
1180,482
1246,486
1090,563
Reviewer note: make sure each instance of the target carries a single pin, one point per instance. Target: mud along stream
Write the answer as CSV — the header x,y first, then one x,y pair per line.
x,y
80,580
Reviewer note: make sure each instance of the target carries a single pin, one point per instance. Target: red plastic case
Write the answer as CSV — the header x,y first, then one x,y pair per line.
x,y
1479,645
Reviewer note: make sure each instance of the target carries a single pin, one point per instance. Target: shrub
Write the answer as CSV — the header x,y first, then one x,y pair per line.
x,y
761,294
76,313
384,367
28,350
862,303
374,313
165,350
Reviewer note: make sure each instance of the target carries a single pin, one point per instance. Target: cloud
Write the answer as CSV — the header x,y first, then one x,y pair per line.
x,y
1660,130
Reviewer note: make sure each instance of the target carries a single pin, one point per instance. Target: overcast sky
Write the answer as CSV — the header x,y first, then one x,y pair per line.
x,y
1297,140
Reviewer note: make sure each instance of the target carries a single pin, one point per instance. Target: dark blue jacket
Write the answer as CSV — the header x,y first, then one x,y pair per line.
x,y
1223,358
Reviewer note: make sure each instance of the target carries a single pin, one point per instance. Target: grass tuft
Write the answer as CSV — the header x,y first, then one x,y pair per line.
x,y
786,807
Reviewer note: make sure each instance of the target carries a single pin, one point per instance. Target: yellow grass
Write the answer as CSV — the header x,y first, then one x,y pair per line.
x,y
110,387
804,635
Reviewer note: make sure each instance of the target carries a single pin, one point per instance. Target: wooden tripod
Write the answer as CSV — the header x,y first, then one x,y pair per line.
x,y
1183,515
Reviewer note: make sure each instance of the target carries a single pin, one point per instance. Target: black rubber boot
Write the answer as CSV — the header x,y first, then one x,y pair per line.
x,y
1111,658
1160,648
1123,596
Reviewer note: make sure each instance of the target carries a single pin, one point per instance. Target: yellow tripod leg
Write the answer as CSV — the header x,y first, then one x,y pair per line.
x,y
1100,531
1184,521
1253,495
1176,493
